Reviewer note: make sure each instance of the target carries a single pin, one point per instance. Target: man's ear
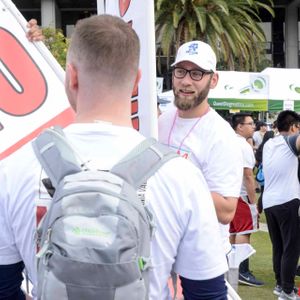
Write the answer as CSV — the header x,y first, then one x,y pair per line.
x,y
214,80
294,129
136,82
72,77
239,127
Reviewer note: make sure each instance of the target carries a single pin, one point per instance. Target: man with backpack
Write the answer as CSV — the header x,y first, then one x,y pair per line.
x,y
281,201
102,70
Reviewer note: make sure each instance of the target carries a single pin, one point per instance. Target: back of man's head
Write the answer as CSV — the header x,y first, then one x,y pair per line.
x,y
239,118
106,45
259,125
286,119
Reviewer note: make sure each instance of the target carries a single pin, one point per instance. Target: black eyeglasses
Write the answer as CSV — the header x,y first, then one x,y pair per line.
x,y
250,123
195,74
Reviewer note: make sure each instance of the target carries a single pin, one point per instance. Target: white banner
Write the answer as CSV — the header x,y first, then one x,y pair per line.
x,y
241,85
159,85
140,14
284,83
32,94
289,104
101,6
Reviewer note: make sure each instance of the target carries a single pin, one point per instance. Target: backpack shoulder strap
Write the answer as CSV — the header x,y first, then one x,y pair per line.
x,y
291,142
55,154
142,162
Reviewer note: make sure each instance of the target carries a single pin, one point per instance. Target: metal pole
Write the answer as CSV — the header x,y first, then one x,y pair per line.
x,y
100,7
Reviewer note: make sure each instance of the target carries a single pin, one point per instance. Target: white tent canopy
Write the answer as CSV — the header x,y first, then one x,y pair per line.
x,y
284,88
240,90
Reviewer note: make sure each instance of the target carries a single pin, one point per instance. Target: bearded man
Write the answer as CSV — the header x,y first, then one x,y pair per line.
x,y
197,132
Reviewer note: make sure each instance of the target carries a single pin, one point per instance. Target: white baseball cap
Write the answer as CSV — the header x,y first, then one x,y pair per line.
x,y
198,53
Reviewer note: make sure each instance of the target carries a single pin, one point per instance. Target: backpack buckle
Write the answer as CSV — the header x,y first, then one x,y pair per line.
x,y
144,263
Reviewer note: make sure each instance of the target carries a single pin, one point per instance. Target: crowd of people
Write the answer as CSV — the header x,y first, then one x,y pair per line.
x,y
276,157
203,201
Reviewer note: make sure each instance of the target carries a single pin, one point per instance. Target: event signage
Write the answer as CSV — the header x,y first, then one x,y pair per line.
x,y
284,91
140,15
244,91
32,94
238,104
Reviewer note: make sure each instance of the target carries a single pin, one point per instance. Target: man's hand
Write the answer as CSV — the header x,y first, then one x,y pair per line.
x,y
28,297
34,34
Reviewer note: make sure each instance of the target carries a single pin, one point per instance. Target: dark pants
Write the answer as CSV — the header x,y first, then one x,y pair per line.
x,y
10,282
259,201
284,229
211,289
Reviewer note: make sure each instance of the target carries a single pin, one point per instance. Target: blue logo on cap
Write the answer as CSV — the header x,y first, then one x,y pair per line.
x,y
192,49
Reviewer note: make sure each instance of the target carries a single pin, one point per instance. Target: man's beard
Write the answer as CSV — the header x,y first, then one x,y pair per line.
x,y
187,103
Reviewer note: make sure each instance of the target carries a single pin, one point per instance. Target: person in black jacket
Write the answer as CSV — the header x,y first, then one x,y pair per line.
x,y
258,157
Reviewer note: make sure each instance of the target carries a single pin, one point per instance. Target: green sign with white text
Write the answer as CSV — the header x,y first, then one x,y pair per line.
x,y
239,104
277,105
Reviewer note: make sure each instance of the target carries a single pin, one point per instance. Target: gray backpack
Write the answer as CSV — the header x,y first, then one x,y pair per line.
x,y
94,241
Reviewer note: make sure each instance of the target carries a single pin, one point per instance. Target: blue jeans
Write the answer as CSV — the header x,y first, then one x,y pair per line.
x,y
10,282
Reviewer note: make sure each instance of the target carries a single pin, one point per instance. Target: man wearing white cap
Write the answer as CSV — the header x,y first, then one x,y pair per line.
x,y
199,133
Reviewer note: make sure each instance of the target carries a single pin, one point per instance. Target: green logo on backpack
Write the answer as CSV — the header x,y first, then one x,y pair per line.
x,y
84,231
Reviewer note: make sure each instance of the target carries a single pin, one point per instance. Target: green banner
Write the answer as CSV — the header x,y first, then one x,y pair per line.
x,y
277,105
297,106
240,104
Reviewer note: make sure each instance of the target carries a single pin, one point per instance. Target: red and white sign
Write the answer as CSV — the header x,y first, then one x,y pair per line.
x,y
140,14
32,95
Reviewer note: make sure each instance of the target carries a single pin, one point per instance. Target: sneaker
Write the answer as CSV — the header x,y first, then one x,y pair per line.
x,y
278,289
290,296
249,279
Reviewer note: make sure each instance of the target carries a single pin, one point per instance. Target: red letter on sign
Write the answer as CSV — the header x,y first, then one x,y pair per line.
x,y
123,6
23,88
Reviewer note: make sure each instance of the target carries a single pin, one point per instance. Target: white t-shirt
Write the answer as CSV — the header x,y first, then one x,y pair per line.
x,y
257,138
248,159
211,144
187,230
280,167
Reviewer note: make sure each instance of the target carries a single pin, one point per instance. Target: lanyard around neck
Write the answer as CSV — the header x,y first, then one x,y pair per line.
x,y
189,132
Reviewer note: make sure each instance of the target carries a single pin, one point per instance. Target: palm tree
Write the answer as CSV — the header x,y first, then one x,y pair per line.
x,y
230,26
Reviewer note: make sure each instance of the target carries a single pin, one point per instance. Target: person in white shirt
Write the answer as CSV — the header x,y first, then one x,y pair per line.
x,y
200,134
245,220
261,129
281,201
11,263
101,73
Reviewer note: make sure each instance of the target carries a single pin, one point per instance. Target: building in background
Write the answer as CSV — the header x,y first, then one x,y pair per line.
x,y
57,13
282,32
